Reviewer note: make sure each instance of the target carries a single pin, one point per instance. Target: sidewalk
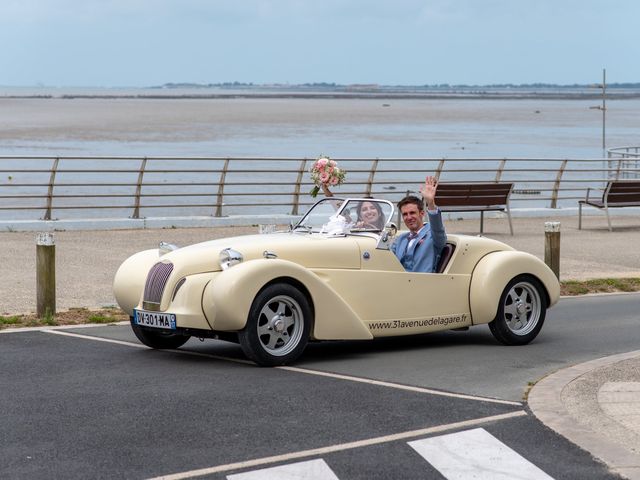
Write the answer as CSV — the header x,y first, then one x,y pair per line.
x,y
86,261
596,405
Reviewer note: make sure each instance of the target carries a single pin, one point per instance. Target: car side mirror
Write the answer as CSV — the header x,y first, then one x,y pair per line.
x,y
293,224
386,237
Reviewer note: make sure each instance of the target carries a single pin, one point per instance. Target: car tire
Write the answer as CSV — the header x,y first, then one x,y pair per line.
x,y
159,339
278,326
521,312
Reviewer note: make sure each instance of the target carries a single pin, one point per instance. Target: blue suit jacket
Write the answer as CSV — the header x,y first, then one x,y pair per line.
x,y
425,251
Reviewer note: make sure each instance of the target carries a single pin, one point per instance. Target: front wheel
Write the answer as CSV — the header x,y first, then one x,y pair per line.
x,y
278,326
521,312
158,339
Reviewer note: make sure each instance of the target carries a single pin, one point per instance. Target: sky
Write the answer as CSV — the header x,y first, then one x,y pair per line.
x,y
138,43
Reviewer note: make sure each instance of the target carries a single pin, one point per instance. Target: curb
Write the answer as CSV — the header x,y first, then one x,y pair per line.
x,y
142,223
545,401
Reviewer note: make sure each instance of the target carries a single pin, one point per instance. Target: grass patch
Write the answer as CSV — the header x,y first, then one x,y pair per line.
x,y
604,285
74,316
10,321
49,319
100,318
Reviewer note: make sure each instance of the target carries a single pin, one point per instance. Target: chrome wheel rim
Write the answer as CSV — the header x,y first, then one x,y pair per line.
x,y
280,325
522,308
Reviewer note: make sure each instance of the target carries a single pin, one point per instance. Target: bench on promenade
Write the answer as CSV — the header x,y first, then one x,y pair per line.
x,y
617,194
475,197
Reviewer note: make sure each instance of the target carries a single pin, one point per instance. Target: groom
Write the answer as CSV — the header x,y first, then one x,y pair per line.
x,y
419,249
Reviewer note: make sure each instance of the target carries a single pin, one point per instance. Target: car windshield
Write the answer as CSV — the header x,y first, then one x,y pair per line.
x,y
342,216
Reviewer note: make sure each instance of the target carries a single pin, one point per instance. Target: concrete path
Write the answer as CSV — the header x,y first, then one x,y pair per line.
x,y
596,405
86,260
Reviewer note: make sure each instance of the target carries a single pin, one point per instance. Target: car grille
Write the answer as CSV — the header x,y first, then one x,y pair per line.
x,y
156,281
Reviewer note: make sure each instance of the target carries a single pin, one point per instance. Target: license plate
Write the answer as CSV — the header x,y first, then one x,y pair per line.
x,y
155,319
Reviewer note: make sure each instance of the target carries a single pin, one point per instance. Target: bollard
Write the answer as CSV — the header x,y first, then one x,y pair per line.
x,y
552,246
45,274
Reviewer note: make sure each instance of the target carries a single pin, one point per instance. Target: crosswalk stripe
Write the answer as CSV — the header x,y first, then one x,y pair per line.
x,y
309,470
394,437
476,454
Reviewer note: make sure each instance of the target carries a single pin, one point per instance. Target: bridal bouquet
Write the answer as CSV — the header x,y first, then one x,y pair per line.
x,y
326,172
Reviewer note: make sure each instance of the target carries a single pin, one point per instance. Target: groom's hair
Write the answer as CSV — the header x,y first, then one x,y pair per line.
x,y
411,199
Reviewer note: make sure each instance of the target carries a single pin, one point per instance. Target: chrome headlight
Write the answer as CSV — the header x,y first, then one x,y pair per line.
x,y
164,248
230,257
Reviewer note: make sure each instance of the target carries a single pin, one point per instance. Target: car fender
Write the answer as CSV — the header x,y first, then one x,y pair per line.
x,y
492,274
129,281
228,297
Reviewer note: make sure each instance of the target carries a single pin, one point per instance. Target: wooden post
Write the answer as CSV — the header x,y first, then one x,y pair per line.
x,y
46,274
552,246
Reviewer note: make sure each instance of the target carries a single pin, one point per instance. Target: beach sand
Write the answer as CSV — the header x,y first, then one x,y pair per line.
x,y
308,127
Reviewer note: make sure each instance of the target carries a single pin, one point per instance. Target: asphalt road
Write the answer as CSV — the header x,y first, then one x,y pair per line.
x,y
94,403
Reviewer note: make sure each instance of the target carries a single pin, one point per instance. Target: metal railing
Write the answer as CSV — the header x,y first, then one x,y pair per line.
x,y
136,187
625,160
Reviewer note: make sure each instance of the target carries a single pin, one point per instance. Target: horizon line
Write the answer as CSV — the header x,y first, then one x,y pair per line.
x,y
339,85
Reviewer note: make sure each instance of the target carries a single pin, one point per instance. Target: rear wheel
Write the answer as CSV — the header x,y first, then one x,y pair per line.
x,y
157,338
521,311
278,326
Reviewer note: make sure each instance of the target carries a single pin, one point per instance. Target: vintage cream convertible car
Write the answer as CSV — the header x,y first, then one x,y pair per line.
x,y
329,277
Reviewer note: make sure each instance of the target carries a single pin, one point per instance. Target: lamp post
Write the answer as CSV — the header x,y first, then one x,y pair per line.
x,y
603,108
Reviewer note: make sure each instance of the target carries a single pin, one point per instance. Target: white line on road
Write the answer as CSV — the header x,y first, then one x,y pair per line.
x,y
323,450
61,327
140,345
341,447
97,339
400,386
476,454
306,371
309,470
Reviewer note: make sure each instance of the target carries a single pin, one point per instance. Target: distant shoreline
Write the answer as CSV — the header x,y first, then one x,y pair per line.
x,y
610,95
186,91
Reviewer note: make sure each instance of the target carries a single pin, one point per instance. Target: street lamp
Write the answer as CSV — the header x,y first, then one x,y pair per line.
x,y
602,107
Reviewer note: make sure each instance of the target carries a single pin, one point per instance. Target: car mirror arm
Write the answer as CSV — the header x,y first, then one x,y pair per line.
x,y
386,236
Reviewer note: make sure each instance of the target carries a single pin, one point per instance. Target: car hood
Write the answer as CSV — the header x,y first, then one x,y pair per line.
x,y
309,250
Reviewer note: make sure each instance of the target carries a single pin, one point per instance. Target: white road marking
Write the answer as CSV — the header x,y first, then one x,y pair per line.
x,y
140,345
306,371
97,339
341,447
62,327
310,470
400,386
332,448
476,454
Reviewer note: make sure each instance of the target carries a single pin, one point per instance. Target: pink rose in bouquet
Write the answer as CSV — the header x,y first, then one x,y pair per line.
x,y
325,171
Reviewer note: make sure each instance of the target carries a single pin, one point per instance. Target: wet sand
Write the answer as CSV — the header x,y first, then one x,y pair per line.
x,y
308,127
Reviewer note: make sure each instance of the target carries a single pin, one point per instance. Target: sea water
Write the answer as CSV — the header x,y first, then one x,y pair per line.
x,y
464,128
